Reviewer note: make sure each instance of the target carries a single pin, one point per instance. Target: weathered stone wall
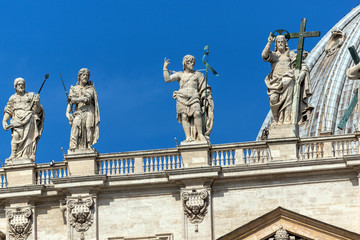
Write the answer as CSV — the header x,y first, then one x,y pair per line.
x,y
140,213
329,197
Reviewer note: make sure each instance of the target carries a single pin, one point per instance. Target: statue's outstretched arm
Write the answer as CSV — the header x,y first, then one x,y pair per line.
x,y
167,76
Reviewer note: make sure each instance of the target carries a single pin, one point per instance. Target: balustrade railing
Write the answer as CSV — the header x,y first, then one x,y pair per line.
x,y
116,166
240,153
327,147
45,173
139,162
224,155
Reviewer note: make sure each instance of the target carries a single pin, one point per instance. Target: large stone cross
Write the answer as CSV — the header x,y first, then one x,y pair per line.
x,y
301,35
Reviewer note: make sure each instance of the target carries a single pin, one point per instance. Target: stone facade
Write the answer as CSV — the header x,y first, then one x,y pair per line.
x,y
167,194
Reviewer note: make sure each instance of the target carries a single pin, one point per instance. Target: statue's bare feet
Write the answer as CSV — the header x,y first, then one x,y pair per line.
x,y
201,138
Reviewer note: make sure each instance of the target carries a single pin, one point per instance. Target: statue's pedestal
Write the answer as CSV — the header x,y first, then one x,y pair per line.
x,y
20,174
283,131
282,142
82,162
195,154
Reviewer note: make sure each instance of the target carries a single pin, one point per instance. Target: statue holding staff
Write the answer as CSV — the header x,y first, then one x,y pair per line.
x,y
85,118
27,121
190,100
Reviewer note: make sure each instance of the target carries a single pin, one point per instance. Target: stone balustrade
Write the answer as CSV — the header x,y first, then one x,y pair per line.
x,y
139,161
142,162
239,153
45,172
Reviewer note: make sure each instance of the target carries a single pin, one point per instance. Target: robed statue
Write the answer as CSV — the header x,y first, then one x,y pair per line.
x,y
194,101
281,82
26,116
83,113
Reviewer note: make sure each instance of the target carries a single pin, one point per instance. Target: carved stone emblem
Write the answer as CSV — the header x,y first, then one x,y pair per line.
x,y
281,234
80,216
336,41
19,223
195,205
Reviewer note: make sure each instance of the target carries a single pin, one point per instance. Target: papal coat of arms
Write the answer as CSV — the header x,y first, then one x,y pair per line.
x,y
80,215
195,205
19,223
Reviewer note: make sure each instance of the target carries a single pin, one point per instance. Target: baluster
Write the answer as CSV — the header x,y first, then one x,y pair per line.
x,y
180,161
47,176
217,158
101,166
105,167
266,154
301,152
50,176
125,166
262,151
226,157
148,163
253,155
213,158
153,163
171,157
115,166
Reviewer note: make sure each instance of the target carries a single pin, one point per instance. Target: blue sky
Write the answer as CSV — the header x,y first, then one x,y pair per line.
x,y
123,43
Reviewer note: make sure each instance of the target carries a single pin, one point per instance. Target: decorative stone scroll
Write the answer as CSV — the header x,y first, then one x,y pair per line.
x,y
195,205
20,221
80,215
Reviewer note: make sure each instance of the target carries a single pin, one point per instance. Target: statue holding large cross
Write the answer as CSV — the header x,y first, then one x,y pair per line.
x,y
289,80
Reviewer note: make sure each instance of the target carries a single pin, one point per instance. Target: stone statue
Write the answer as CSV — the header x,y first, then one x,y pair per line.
x,y
353,73
85,117
281,81
26,124
190,100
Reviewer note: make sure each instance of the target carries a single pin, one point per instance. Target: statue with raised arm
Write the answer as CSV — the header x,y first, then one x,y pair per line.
x,y
26,117
83,113
193,101
281,82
